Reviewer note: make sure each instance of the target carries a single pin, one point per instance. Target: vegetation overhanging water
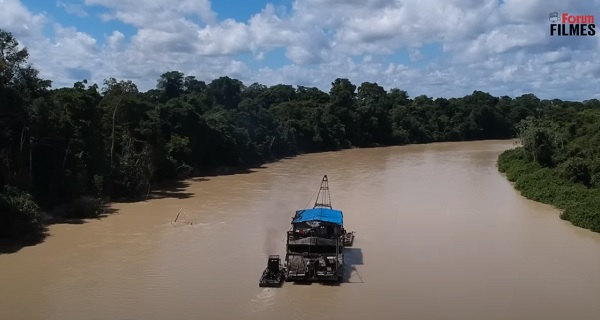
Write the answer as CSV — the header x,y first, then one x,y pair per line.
x,y
559,163
69,150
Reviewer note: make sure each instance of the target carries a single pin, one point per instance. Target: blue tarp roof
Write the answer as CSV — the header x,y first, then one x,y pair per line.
x,y
320,214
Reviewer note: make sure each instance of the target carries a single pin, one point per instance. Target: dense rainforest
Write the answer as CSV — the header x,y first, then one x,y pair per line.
x,y
77,147
558,163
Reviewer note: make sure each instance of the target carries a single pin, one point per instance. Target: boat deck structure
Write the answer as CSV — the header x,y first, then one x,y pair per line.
x,y
315,244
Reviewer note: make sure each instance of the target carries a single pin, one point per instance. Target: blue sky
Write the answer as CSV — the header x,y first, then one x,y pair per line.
x,y
439,48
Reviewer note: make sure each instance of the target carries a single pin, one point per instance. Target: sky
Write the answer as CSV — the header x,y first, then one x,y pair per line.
x,y
444,48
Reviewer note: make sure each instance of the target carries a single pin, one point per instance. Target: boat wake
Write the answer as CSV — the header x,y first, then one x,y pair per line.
x,y
263,300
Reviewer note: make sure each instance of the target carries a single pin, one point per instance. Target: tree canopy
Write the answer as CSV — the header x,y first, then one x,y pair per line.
x,y
559,161
68,146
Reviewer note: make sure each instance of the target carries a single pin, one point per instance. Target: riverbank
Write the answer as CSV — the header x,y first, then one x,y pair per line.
x,y
451,217
184,127
580,205
92,142
91,208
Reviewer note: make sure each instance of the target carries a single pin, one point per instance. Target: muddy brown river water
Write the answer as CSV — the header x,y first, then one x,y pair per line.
x,y
440,235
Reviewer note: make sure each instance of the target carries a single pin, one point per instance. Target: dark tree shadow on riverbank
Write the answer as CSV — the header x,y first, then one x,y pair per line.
x,y
174,189
177,188
171,189
228,171
8,246
81,214
58,216
163,190
14,245
68,221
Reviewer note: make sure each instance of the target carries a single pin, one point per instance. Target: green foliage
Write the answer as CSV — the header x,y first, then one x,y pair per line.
x,y
84,207
559,163
541,140
577,170
69,147
20,216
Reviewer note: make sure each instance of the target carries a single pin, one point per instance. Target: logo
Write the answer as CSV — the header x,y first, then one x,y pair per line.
x,y
567,24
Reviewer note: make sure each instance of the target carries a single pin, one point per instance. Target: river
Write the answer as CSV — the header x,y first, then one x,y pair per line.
x,y
440,234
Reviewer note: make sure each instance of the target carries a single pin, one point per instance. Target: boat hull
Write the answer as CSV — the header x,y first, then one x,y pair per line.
x,y
268,280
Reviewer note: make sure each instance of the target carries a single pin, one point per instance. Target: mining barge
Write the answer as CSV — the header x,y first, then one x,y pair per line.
x,y
315,245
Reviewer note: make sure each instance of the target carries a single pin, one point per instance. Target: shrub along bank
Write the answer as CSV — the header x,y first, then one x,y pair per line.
x,y
68,147
559,163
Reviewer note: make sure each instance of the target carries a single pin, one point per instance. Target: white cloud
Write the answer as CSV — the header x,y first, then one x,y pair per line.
x,y
73,8
156,14
500,47
15,17
115,40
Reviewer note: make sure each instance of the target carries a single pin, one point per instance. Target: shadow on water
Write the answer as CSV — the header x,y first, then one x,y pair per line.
x,y
171,189
163,190
22,239
69,221
14,245
175,189
226,171
353,257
